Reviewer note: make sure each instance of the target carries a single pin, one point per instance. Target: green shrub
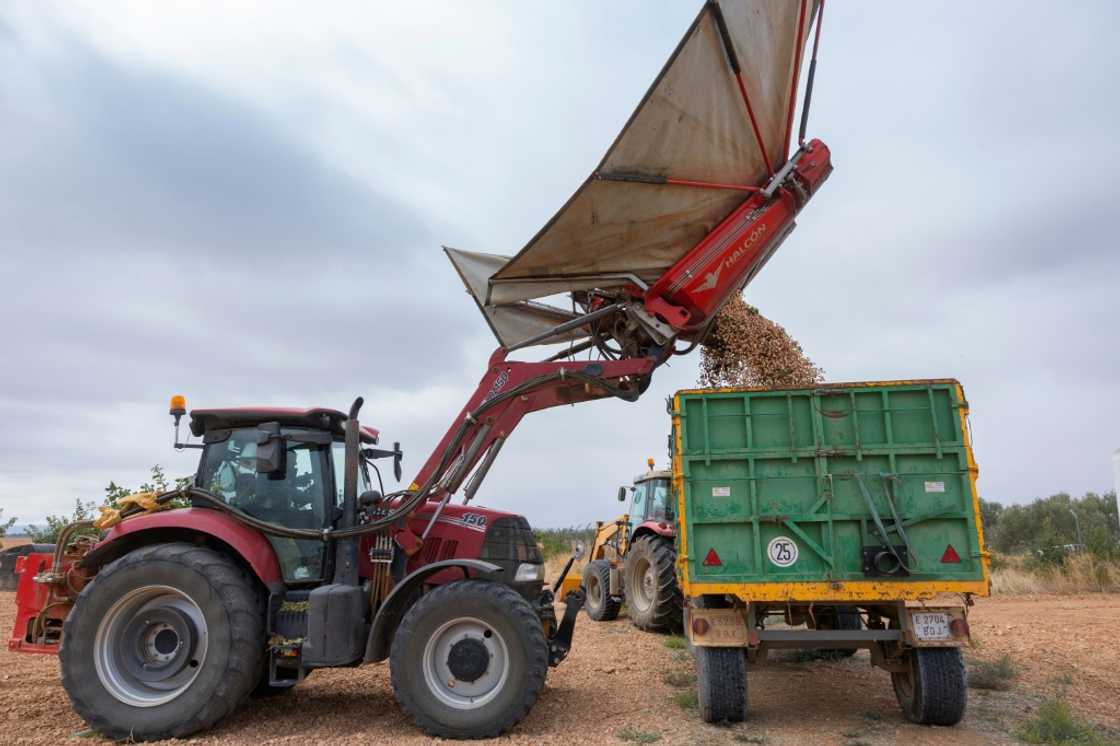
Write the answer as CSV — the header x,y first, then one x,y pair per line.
x,y
687,700
997,674
1055,723
634,735
679,678
676,642
559,541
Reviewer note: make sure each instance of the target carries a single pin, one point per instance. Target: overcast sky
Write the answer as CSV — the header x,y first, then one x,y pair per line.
x,y
244,203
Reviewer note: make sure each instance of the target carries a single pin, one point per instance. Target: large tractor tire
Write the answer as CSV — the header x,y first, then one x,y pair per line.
x,y
165,642
721,684
653,599
933,691
599,604
469,660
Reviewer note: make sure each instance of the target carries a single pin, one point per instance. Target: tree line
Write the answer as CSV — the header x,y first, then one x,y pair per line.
x,y
1050,528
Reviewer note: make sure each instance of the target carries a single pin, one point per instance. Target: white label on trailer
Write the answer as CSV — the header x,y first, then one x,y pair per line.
x,y
935,486
782,551
721,492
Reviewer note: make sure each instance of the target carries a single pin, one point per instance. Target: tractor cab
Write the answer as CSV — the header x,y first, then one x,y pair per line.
x,y
283,466
650,498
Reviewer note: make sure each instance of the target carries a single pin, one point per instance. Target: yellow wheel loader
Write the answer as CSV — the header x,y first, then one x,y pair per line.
x,y
633,558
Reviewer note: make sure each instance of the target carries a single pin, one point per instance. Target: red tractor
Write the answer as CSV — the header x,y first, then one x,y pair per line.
x,y
289,559
292,557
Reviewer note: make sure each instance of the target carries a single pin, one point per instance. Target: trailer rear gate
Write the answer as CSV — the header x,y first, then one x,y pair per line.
x,y
844,492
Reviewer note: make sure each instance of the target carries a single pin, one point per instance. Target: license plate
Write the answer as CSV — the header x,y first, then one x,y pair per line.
x,y
931,625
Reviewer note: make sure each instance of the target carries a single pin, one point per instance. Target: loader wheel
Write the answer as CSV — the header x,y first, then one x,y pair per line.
x,y
721,684
653,600
933,691
165,642
600,605
469,660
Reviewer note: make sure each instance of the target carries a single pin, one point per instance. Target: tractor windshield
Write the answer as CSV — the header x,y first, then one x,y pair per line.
x,y
659,505
295,498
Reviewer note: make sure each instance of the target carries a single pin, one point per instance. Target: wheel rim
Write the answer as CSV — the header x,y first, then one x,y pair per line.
x,y
645,590
466,663
594,592
150,646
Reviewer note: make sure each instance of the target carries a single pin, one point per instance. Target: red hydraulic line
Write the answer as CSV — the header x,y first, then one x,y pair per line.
x,y
800,49
712,184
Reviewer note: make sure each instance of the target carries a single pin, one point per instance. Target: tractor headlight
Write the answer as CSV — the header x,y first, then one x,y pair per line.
x,y
527,572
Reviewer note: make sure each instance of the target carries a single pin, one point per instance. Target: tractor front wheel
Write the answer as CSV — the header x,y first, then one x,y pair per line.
x,y
165,642
469,659
653,599
600,604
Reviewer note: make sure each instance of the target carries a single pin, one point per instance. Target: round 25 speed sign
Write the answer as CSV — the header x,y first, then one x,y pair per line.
x,y
782,551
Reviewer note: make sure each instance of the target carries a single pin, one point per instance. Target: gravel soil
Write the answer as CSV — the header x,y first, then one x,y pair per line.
x,y
620,682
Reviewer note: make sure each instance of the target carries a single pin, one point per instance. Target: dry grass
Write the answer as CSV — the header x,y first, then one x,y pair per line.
x,y
1082,573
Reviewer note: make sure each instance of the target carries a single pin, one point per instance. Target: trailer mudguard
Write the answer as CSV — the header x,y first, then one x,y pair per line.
x,y
187,524
399,599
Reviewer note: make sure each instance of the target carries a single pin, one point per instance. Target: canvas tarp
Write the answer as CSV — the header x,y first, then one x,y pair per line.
x,y
691,124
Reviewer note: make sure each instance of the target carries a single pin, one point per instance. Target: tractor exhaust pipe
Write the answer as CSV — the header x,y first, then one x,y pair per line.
x,y
346,550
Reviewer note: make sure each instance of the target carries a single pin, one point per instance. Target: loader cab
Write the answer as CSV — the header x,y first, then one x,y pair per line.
x,y
303,491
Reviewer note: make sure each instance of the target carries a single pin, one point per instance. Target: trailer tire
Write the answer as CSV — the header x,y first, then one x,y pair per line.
x,y
163,643
600,605
934,691
653,599
721,684
469,660
839,619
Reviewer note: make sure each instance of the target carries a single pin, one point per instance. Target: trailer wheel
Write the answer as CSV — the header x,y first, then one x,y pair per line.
x,y
721,683
839,619
165,642
934,690
469,660
600,605
653,600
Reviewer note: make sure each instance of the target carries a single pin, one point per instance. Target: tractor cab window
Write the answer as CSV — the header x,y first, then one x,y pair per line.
x,y
638,502
295,498
659,504
339,461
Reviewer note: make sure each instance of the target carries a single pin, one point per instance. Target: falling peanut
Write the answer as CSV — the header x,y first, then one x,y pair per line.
x,y
744,348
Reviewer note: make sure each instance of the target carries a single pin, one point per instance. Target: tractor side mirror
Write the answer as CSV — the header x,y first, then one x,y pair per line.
x,y
622,494
577,551
271,451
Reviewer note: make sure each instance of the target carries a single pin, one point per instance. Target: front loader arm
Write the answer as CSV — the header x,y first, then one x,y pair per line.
x,y
507,392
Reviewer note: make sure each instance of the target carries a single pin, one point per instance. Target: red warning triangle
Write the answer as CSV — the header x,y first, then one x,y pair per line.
x,y
950,556
712,559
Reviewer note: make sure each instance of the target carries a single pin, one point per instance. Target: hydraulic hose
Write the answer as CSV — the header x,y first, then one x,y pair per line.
x,y
411,498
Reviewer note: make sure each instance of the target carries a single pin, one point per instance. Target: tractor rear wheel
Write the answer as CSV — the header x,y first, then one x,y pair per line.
x,y
469,659
600,605
933,690
165,642
653,599
721,684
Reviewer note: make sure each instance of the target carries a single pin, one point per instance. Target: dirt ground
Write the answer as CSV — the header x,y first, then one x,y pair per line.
x,y
616,677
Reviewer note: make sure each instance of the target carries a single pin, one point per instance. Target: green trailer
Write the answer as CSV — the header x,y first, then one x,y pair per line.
x,y
842,516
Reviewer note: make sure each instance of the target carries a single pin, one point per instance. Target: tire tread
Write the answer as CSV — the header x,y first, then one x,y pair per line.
x,y
239,598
